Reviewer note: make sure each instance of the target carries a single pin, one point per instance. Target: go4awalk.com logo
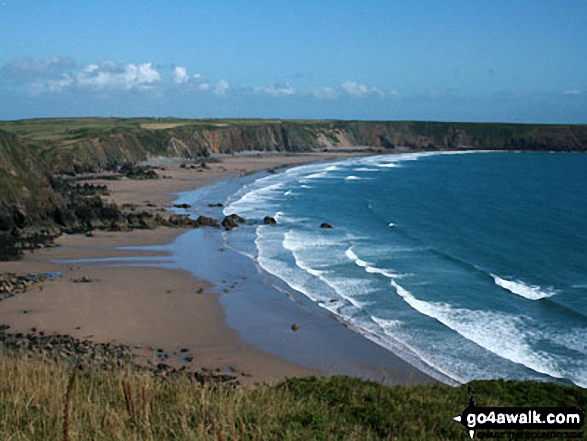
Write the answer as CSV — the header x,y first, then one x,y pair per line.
x,y
548,420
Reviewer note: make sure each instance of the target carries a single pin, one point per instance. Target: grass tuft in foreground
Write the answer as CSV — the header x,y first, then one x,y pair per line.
x,y
43,400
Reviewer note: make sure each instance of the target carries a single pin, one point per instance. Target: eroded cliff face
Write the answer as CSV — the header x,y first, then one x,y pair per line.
x,y
110,149
30,194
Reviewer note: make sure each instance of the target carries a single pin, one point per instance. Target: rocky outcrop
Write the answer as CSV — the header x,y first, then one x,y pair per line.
x,y
136,172
182,220
204,221
231,221
268,220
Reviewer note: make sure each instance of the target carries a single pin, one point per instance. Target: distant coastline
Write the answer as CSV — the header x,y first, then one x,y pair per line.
x,y
41,160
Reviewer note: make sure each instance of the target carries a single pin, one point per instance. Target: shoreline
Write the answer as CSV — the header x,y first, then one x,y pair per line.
x,y
165,311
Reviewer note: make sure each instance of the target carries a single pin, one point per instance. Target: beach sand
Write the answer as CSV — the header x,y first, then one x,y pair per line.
x,y
153,308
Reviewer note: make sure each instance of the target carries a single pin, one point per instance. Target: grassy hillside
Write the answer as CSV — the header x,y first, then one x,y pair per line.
x,y
123,405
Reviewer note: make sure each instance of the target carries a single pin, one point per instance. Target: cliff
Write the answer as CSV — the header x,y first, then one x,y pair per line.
x,y
34,153
73,146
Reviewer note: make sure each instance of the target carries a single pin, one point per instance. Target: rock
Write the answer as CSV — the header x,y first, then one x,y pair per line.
x,y
268,220
216,205
137,172
295,327
325,225
204,221
184,206
231,221
179,220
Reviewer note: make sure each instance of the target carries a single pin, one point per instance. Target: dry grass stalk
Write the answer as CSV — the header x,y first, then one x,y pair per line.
x,y
128,400
67,404
146,422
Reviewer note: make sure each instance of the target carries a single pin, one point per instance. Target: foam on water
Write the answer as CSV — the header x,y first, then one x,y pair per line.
x,y
365,169
247,205
530,292
303,277
489,330
370,268
388,325
462,342
388,165
320,175
271,259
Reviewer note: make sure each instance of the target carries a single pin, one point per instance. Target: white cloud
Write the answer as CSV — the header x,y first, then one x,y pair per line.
x,y
276,90
221,87
573,92
358,90
59,85
90,68
324,92
180,75
59,74
109,75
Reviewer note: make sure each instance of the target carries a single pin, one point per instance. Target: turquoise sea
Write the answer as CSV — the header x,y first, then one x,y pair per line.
x,y
466,265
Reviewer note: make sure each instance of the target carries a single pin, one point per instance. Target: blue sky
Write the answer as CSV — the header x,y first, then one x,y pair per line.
x,y
466,60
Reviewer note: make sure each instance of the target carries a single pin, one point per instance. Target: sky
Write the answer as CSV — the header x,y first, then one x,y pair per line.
x,y
450,60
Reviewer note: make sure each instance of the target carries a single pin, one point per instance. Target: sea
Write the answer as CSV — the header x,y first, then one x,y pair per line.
x,y
468,265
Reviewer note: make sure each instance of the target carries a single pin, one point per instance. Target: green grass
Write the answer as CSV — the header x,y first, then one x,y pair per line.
x,y
60,129
131,406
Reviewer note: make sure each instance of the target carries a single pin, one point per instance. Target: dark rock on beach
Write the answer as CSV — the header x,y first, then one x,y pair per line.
x,y
268,220
100,356
231,221
11,284
138,172
205,221
180,220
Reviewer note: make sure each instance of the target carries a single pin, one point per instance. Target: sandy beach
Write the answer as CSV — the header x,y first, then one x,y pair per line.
x,y
154,310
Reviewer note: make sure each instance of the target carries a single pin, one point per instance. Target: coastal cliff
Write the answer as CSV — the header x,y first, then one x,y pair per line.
x,y
37,156
78,145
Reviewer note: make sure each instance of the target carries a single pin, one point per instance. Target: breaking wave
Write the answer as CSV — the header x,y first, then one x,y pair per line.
x,y
530,292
